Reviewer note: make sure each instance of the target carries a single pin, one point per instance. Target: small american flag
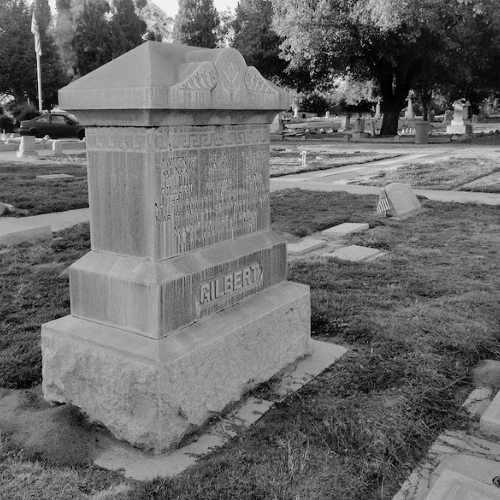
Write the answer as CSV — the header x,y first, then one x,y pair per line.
x,y
36,32
383,205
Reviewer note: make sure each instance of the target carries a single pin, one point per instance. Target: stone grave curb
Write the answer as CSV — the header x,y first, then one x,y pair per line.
x,y
470,457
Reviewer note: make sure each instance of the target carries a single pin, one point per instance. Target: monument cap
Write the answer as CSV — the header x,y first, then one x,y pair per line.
x,y
166,84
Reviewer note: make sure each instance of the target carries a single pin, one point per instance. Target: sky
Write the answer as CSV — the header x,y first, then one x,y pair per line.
x,y
170,7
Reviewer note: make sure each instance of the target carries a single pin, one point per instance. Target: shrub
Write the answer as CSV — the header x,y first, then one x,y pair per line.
x,y
24,112
6,123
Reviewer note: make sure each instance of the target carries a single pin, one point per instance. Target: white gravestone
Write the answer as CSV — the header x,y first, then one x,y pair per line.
x,y
182,305
458,124
401,198
27,147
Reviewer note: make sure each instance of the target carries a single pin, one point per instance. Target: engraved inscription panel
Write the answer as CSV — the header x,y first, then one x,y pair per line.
x,y
211,192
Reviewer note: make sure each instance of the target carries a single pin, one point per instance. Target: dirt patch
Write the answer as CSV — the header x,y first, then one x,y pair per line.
x,y
58,434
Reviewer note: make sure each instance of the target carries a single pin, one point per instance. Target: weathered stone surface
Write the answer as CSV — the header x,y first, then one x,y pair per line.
x,y
304,246
48,177
401,199
155,298
490,420
151,393
454,486
356,253
158,192
345,229
141,466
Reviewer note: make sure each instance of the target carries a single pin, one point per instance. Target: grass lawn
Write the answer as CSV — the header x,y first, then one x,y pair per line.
x,y
31,196
415,322
481,174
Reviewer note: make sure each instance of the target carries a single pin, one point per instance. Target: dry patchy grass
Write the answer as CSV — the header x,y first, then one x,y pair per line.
x,y
444,175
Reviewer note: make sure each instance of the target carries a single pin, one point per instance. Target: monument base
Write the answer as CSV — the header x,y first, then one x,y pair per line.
x,y
151,393
459,129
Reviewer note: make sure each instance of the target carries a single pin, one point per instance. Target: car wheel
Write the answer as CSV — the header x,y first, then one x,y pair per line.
x,y
35,133
81,134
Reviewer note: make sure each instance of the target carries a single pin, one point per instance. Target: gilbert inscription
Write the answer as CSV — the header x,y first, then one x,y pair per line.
x,y
223,286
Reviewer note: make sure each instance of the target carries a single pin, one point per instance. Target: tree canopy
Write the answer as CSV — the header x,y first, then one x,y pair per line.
x,y
197,24
392,42
18,70
98,40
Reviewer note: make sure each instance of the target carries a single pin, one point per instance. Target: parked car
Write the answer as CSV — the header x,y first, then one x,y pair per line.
x,y
55,124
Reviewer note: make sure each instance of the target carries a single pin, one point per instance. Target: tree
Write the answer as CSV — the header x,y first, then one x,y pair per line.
x,y
389,41
91,41
18,72
126,28
256,40
98,41
197,23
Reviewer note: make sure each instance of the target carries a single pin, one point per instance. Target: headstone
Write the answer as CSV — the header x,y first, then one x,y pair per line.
x,y
303,156
401,199
359,125
57,148
346,122
431,116
378,115
345,229
371,128
27,147
448,116
356,253
2,208
182,305
458,125
327,114
305,246
3,137
358,131
409,111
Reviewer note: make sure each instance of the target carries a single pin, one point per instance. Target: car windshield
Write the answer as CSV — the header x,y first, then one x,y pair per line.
x,y
73,118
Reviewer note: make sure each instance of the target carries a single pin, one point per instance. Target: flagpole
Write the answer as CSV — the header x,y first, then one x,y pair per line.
x,y
39,77
38,51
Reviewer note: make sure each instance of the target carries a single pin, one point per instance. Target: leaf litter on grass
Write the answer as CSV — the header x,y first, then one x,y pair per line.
x,y
416,322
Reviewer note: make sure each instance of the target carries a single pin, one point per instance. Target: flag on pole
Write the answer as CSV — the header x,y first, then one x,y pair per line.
x,y
36,32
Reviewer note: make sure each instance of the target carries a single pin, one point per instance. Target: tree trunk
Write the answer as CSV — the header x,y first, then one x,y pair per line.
x,y
391,119
393,100
426,99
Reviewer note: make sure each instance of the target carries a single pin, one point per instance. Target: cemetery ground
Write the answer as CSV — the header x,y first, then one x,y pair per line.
x,y
415,323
